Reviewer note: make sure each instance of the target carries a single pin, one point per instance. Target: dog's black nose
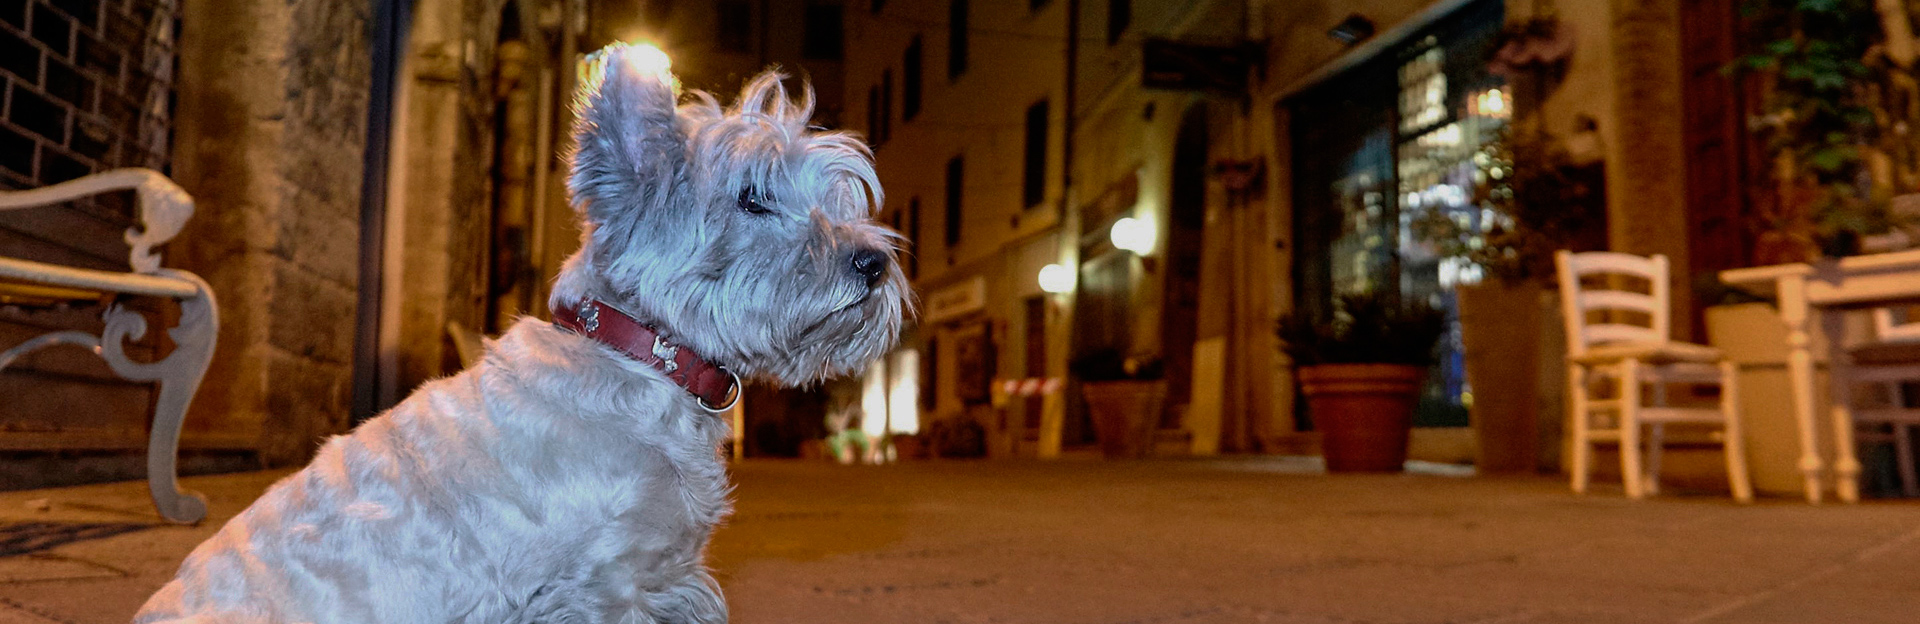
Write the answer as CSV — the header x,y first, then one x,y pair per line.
x,y
871,263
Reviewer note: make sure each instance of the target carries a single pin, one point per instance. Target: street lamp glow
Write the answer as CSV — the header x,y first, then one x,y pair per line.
x,y
647,58
1056,279
1133,235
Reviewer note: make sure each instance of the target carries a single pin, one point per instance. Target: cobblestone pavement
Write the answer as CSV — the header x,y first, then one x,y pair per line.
x,y
1238,540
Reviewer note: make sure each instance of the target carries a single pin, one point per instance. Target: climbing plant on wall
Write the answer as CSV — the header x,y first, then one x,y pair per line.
x,y
1836,118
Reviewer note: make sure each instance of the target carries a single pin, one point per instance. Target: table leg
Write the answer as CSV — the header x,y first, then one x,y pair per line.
x,y
1793,311
1846,468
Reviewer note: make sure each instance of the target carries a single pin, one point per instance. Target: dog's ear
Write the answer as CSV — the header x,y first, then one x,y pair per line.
x,y
629,149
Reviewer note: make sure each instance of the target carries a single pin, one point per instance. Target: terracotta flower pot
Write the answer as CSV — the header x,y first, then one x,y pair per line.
x,y
1125,414
1364,413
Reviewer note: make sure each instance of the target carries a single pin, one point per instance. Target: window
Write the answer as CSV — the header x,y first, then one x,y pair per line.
x,y
1035,190
735,32
886,105
874,138
1119,17
955,174
956,39
910,77
1403,140
913,238
823,38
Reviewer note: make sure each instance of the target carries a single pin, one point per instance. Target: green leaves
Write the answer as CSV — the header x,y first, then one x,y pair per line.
x,y
1832,159
1366,329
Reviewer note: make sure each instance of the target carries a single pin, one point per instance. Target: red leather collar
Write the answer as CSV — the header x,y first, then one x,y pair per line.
x,y
716,387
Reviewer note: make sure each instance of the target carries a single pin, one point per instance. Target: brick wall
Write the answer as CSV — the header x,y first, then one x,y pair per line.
x,y
85,86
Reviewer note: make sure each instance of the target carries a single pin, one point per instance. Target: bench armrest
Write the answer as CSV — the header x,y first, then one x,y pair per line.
x,y
163,207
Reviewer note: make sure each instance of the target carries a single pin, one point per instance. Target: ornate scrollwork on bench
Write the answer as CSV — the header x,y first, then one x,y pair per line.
x,y
163,209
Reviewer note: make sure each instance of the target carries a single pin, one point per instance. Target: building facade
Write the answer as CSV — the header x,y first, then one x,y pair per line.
x,y
379,186
1275,154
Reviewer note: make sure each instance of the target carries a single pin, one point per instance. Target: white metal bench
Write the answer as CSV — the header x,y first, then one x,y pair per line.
x,y
163,209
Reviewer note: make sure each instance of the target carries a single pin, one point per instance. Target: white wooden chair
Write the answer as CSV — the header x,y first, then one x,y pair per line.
x,y
1890,361
1620,338
163,209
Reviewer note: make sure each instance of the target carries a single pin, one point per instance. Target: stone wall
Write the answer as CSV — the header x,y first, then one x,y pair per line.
x,y
270,137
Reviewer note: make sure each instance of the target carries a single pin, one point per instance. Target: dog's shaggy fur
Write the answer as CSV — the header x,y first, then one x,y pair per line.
x,y
558,480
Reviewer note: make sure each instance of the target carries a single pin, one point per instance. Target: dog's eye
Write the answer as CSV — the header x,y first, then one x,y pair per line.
x,y
750,202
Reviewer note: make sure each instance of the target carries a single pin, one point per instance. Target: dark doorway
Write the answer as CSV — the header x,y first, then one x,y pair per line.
x,y
1102,325
1036,358
510,271
1722,161
1181,300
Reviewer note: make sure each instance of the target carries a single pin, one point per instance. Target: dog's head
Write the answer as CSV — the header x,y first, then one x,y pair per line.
x,y
739,232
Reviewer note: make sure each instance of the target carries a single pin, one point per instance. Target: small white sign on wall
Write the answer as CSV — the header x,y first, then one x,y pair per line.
x,y
957,300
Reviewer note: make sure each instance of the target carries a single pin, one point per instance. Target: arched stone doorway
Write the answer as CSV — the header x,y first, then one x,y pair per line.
x,y
475,215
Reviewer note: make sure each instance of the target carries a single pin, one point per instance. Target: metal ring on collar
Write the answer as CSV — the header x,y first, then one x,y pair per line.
x,y
734,400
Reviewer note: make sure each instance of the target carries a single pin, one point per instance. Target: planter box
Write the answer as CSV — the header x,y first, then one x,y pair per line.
x,y
1125,413
1516,368
1499,323
1752,335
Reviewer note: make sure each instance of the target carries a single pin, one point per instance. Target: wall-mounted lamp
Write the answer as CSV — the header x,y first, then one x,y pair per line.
x,y
1056,279
1133,235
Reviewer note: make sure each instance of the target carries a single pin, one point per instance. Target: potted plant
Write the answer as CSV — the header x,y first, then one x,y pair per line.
x,y
1547,197
1126,396
1361,372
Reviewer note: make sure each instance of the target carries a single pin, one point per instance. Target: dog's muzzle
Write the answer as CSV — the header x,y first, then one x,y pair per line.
x,y
871,264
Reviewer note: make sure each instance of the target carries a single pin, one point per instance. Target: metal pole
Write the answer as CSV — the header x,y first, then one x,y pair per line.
x,y
391,20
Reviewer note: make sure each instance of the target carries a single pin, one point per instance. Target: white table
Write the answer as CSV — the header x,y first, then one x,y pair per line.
x,y
1829,286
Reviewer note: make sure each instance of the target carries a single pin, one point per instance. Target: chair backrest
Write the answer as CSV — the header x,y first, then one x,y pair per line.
x,y
1896,325
1578,301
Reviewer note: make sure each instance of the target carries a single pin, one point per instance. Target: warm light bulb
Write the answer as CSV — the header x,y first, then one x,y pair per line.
x,y
1056,279
1132,235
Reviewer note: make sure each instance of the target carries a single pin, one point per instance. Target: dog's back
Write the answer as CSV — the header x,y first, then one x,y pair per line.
x,y
507,493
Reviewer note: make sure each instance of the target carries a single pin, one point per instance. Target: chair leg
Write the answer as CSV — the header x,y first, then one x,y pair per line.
x,y
1631,473
1656,442
1579,422
1903,453
1903,443
1734,442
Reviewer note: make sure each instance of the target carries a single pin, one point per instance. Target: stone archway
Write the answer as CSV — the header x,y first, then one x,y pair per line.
x,y
472,170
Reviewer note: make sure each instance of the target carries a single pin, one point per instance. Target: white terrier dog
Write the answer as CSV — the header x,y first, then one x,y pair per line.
x,y
572,475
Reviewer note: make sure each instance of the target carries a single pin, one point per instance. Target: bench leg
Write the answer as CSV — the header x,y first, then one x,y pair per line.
x,y
179,377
